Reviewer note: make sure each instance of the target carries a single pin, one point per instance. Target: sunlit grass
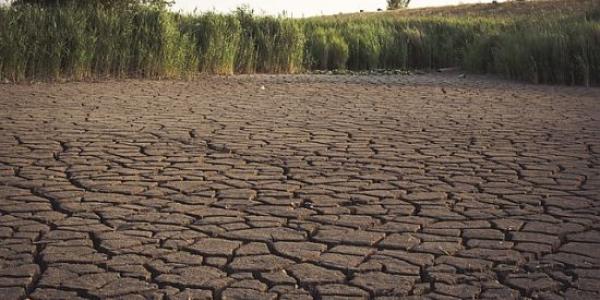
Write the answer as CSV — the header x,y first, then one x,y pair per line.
x,y
92,42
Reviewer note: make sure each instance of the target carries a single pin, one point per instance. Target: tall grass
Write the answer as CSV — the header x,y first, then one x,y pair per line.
x,y
423,43
216,40
326,49
550,53
88,42
74,43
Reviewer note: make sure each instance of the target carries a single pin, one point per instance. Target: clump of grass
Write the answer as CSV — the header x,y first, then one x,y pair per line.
x,y
326,50
245,61
364,44
217,42
112,34
245,43
541,52
179,53
279,44
78,42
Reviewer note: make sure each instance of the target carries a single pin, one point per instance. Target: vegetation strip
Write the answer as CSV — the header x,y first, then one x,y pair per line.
x,y
95,41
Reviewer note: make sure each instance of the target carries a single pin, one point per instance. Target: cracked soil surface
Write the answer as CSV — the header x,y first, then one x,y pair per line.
x,y
315,187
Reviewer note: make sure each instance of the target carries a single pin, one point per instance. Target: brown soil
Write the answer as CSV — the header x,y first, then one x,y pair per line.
x,y
324,187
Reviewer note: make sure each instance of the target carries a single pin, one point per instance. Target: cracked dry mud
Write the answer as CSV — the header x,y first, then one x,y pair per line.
x,y
314,188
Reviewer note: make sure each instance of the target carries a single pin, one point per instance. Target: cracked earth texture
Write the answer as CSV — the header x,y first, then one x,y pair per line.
x,y
316,187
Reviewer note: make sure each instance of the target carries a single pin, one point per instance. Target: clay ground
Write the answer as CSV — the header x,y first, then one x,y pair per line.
x,y
316,187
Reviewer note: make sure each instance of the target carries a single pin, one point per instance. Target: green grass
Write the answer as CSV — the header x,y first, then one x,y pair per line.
x,y
76,43
52,43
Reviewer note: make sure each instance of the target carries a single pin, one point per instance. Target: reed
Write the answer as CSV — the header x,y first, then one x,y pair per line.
x,y
91,41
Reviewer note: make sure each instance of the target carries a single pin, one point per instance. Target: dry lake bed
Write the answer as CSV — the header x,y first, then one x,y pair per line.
x,y
313,187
